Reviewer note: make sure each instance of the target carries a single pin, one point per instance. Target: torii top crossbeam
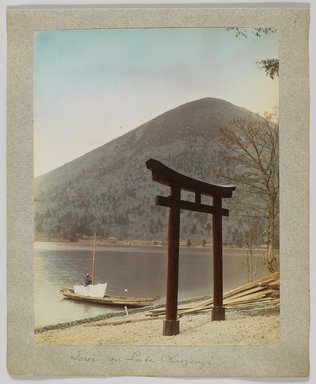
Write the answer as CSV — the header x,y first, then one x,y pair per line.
x,y
164,175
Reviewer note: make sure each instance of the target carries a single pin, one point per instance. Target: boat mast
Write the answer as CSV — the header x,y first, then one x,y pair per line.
x,y
93,257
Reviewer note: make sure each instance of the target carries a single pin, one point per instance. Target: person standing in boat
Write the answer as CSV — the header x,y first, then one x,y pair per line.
x,y
88,280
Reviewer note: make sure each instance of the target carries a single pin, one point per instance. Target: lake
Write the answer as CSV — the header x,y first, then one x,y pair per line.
x,y
140,270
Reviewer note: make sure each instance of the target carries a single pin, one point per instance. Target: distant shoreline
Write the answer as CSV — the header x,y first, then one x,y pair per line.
x,y
109,241
138,243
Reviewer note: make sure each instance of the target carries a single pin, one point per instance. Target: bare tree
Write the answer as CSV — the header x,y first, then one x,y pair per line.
x,y
250,149
251,240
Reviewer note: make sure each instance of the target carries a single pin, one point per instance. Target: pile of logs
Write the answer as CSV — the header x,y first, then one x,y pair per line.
x,y
262,291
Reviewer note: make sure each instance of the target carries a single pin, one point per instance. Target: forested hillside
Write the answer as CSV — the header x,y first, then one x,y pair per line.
x,y
111,191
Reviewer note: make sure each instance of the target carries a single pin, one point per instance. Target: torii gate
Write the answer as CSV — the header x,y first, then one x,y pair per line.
x,y
177,182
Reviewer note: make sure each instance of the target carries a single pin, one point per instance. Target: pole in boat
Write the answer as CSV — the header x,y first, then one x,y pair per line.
x,y
93,257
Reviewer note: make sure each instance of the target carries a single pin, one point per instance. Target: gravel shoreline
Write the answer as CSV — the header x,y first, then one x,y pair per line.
x,y
243,326
114,314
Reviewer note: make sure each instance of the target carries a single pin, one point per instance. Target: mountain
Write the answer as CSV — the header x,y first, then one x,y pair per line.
x,y
111,189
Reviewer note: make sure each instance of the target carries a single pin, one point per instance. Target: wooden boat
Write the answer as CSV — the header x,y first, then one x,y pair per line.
x,y
78,293
128,301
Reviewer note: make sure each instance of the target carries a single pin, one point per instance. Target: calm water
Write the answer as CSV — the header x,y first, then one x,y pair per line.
x,y
141,270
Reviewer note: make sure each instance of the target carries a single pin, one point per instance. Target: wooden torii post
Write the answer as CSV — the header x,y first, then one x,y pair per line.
x,y
177,182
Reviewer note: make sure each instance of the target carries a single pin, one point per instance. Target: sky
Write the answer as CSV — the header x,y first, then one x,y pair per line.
x,y
91,86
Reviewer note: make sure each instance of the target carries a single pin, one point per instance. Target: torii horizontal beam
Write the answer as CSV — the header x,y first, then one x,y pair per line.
x,y
166,201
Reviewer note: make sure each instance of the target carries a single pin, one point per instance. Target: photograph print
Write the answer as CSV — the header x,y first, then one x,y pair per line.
x,y
156,189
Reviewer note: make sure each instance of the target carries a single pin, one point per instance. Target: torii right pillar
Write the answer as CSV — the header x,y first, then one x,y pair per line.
x,y
218,311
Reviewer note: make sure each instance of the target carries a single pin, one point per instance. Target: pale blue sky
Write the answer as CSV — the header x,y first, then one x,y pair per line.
x,y
91,86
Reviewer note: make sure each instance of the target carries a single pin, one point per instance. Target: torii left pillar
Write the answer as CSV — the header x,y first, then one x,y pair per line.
x,y
176,182
171,323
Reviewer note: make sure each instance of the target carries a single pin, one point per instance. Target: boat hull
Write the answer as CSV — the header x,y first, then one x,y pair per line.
x,y
128,301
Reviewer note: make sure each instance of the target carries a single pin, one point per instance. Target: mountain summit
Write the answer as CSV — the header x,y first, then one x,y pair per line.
x,y
110,188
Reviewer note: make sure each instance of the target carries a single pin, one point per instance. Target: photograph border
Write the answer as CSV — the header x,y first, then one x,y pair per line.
x,y
290,358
